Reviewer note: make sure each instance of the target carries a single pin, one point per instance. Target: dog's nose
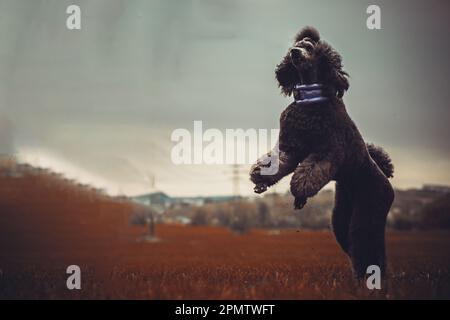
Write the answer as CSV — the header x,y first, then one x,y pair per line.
x,y
296,53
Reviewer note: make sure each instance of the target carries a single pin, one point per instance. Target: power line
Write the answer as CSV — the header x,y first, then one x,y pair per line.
x,y
236,172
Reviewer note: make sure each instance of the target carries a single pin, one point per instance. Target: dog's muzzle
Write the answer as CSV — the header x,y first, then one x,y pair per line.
x,y
298,54
309,93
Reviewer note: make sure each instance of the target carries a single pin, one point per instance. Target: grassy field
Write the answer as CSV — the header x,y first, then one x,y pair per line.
x,y
212,263
47,224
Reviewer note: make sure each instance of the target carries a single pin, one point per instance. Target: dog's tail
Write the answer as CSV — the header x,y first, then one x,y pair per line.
x,y
382,159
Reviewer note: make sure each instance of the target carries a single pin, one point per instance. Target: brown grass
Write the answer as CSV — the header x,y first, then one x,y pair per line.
x,y
44,228
212,263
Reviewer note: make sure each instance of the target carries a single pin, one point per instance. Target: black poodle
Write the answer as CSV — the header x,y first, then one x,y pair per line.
x,y
319,142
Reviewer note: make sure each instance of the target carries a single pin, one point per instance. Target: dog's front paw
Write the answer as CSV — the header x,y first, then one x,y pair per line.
x,y
299,203
260,188
255,175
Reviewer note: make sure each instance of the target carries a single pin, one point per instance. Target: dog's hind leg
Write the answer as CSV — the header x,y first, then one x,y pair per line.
x,y
342,213
373,200
366,247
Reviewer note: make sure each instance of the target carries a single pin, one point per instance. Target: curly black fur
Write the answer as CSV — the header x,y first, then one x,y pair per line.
x,y
308,32
320,143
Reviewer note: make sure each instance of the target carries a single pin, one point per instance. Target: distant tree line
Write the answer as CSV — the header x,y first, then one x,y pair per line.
x,y
412,209
271,211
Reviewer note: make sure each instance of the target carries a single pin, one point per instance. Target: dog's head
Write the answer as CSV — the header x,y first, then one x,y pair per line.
x,y
311,60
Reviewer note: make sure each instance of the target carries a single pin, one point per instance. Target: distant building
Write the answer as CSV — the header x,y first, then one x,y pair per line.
x,y
160,201
157,200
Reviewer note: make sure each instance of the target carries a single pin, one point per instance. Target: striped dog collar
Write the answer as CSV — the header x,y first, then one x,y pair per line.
x,y
309,93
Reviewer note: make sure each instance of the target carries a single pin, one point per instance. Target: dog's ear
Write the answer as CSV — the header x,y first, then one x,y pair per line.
x,y
286,75
330,69
309,32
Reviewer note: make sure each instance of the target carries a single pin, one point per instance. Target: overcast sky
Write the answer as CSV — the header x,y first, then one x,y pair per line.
x,y
100,104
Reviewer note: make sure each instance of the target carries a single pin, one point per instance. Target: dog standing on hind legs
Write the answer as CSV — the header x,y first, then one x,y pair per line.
x,y
319,143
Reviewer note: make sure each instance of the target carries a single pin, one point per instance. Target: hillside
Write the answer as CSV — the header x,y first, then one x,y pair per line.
x,y
43,210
